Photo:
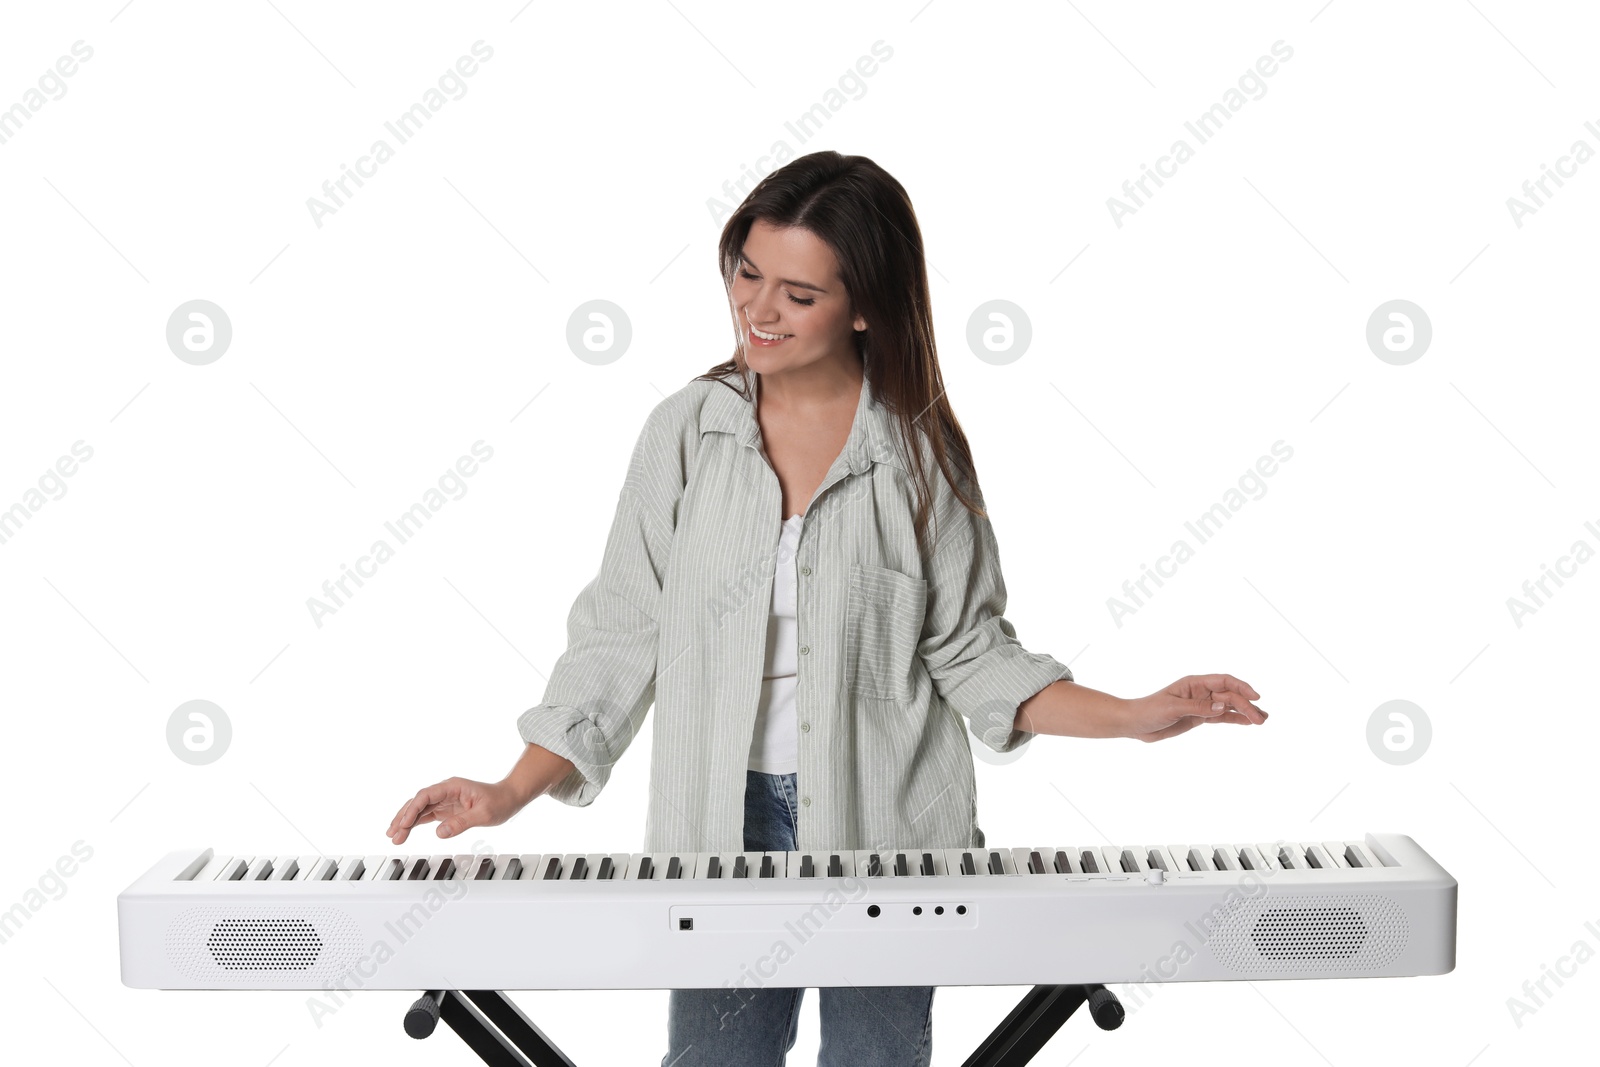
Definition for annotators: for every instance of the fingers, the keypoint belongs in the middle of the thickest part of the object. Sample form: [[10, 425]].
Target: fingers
[[419, 809], [1224, 702]]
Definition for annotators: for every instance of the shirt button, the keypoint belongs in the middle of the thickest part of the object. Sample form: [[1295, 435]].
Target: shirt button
[[806, 571], [806, 801], [805, 727], [805, 650]]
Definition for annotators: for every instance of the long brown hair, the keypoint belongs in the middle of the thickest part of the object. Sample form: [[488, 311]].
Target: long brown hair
[[864, 215]]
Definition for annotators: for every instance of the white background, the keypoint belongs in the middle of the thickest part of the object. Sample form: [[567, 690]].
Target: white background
[[587, 160]]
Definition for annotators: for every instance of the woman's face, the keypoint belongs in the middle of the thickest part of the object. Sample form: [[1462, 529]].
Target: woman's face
[[787, 284]]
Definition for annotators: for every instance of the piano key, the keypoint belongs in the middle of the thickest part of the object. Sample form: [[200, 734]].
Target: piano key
[[233, 869], [284, 868], [713, 867], [1292, 858], [902, 866], [579, 869], [969, 866], [444, 867], [390, 869], [461, 867], [212, 868], [322, 870], [1318, 858], [260, 869], [1250, 858], [1061, 862], [579, 866], [1357, 854], [507, 866], [551, 870], [927, 866], [1131, 861], [417, 869], [1225, 858], [1036, 863], [1197, 858], [1335, 852], [808, 867], [863, 860], [1089, 861], [607, 871], [1269, 856], [741, 868], [996, 864], [481, 869], [768, 868], [1161, 858], [351, 869], [674, 868]]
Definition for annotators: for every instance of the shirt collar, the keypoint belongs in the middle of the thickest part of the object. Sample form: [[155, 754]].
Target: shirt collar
[[871, 437]]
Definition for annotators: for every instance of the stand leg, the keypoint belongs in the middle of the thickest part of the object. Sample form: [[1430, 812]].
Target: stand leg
[[489, 1024], [1037, 1017]]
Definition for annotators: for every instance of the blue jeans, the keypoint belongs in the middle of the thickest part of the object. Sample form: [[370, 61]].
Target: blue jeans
[[868, 1026]]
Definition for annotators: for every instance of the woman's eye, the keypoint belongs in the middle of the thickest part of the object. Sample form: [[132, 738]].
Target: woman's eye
[[803, 303]]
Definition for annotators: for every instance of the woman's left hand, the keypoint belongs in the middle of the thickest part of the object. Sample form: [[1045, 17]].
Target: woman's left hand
[[1190, 701]]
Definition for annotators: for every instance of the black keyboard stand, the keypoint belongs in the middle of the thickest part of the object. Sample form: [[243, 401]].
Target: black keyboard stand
[[1037, 1017], [502, 1036], [489, 1023]]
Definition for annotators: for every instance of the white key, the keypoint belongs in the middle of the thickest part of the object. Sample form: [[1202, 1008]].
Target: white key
[[284, 868], [208, 873], [385, 868], [321, 870], [259, 868], [233, 869], [351, 869], [1363, 853], [1335, 851]]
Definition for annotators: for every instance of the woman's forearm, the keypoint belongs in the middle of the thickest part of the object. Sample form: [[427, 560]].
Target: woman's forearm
[[536, 771], [1068, 709]]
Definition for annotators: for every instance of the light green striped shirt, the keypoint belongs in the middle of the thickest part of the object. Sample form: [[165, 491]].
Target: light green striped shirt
[[896, 645]]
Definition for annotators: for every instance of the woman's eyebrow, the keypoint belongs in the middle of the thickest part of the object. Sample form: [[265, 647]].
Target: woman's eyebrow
[[785, 281]]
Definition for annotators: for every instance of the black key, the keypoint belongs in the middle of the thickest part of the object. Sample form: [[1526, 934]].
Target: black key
[[835, 868], [927, 864], [1130, 865], [419, 870], [644, 868], [608, 870], [553, 869], [714, 867], [996, 864], [1035, 863], [1353, 858], [966, 864], [1156, 861], [485, 869], [674, 868], [874, 867], [767, 870], [900, 868], [1224, 860], [806, 869], [1063, 866], [446, 868], [1090, 863], [390, 871], [580, 868], [740, 868], [513, 869]]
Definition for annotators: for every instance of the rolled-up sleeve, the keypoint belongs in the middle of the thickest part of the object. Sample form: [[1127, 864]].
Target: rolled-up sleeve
[[603, 685], [970, 649]]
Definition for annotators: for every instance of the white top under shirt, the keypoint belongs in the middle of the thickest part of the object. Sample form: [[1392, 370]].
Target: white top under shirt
[[774, 746]]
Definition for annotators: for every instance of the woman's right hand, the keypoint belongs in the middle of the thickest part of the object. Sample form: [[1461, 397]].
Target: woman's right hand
[[456, 804]]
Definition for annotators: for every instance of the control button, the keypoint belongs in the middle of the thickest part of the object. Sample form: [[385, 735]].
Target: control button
[[805, 727], [1155, 876], [806, 801]]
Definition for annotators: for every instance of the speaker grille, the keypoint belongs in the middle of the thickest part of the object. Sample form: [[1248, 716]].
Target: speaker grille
[[1349, 932], [244, 945]]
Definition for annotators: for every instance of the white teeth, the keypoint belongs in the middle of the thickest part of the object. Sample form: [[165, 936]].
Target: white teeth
[[768, 336]]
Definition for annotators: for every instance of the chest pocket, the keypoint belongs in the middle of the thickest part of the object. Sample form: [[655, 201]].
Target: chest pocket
[[884, 614]]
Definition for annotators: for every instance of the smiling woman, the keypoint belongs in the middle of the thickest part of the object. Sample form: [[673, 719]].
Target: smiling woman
[[800, 577]]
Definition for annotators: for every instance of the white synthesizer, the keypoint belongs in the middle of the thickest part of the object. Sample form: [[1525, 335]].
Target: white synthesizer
[[1381, 907]]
